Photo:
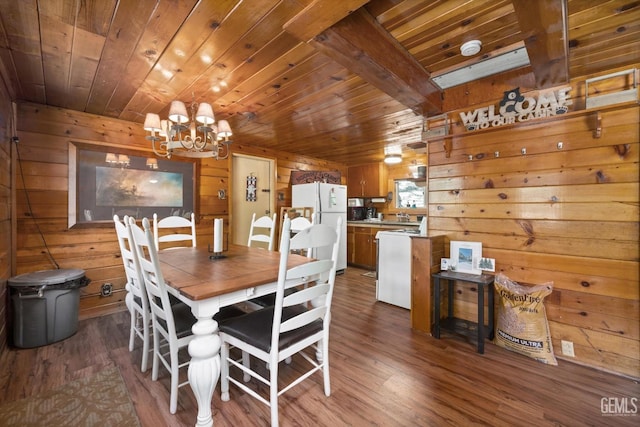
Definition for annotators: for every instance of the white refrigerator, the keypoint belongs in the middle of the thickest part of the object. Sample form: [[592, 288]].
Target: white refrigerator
[[329, 202]]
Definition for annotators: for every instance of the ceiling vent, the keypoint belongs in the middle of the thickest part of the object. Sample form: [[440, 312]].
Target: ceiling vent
[[494, 65]]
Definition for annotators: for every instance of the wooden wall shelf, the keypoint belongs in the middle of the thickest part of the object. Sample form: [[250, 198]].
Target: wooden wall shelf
[[595, 113]]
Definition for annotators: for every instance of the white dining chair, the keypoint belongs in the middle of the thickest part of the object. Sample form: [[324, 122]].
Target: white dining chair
[[171, 319], [297, 323], [300, 223], [136, 298], [258, 237], [174, 229], [171, 325], [297, 224], [259, 227]]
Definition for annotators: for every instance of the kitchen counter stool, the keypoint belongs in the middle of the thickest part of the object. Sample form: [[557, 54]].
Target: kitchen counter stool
[[483, 281]]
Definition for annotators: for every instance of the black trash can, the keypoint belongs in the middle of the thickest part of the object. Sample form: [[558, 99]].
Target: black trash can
[[45, 306]]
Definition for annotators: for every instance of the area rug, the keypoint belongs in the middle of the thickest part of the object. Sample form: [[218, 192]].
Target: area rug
[[99, 400], [370, 274]]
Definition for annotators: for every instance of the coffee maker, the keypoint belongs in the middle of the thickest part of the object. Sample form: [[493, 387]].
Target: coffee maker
[[372, 213], [356, 213]]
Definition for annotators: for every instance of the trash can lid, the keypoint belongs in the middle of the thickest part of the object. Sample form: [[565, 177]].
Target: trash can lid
[[46, 277]]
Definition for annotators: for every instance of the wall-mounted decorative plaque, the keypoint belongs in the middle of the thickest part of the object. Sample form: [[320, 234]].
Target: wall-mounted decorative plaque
[[305, 177]]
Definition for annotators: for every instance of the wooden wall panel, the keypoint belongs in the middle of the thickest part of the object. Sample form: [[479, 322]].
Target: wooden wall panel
[[567, 215], [6, 209], [45, 134]]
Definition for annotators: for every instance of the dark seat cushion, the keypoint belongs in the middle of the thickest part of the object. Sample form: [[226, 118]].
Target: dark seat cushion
[[184, 318], [228, 312], [137, 300], [270, 299], [255, 327], [172, 300]]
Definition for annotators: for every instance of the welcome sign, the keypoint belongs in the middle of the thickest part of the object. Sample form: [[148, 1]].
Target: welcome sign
[[515, 107]]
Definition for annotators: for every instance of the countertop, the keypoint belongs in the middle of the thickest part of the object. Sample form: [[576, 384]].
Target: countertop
[[376, 223]]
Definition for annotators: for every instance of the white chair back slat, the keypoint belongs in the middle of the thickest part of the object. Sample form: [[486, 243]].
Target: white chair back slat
[[303, 319], [263, 223], [300, 223], [173, 229], [304, 295]]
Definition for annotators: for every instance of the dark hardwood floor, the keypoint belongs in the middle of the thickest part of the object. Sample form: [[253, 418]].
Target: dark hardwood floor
[[382, 374]]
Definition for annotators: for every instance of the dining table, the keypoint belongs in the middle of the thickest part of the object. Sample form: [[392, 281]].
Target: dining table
[[207, 282]]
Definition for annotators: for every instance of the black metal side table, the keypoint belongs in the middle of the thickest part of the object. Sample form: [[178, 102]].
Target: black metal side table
[[482, 281]]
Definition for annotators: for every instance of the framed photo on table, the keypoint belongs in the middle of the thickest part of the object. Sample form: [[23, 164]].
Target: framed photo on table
[[465, 256]]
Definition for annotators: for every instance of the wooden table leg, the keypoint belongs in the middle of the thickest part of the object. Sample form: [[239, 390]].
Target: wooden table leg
[[204, 368], [480, 319], [491, 313], [450, 300], [436, 307]]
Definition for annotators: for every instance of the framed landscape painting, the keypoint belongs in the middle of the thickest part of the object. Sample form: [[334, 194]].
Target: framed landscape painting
[[102, 184]]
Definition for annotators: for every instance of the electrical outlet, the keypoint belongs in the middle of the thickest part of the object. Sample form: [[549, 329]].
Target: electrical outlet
[[567, 348], [106, 289]]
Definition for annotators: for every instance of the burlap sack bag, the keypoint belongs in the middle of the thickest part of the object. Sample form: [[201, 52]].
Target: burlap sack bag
[[521, 324]]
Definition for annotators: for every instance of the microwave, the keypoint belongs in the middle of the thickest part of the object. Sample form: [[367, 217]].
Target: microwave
[[356, 213], [355, 202]]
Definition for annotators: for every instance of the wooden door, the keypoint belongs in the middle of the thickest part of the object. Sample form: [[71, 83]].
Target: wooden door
[[244, 202]]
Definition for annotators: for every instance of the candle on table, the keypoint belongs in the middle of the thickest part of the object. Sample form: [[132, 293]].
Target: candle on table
[[217, 235]]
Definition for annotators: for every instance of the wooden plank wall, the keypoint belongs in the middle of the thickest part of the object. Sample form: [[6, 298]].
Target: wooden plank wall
[[45, 134], [5, 210], [564, 215], [570, 215]]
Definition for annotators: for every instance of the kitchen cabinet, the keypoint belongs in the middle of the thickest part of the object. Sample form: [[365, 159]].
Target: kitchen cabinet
[[350, 243], [369, 180], [361, 246], [426, 253], [365, 244]]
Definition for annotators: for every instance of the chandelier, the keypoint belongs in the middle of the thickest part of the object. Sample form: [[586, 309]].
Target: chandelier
[[196, 135]]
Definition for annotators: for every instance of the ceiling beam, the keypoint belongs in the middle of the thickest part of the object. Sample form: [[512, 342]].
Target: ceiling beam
[[319, 15], [544, 26], [360, 44]]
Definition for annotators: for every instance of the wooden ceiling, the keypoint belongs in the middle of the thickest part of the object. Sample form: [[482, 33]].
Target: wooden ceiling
[[333, 79]]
